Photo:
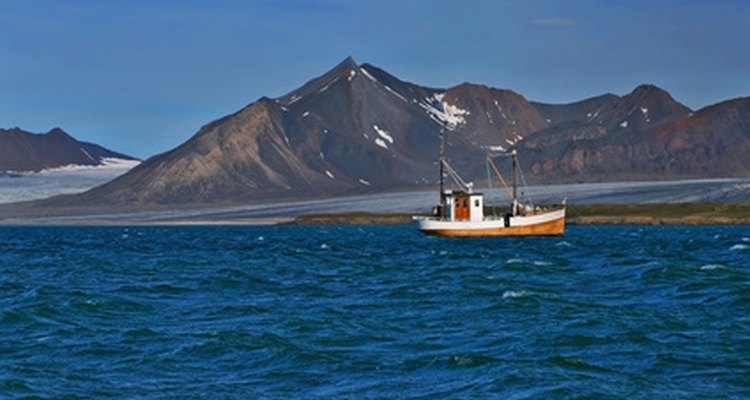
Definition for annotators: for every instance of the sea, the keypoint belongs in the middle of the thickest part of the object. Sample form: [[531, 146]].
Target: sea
[[373, 312]]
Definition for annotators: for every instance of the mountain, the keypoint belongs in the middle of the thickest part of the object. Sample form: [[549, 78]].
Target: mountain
[[358, 129], [643, 135], [354, 129], [22, 151]]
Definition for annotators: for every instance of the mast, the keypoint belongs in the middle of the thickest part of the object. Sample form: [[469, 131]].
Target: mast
[[514, 167], [441, 160]]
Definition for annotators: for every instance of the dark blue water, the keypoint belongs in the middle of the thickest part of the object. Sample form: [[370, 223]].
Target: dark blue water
[[373, 312]]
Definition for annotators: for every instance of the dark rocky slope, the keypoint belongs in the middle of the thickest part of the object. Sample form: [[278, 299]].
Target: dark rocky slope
[[24, 151]]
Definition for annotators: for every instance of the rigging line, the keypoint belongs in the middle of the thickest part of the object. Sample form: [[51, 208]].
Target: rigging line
[[523, 181], [456, 177], [499, 175], [489, 177], [489, 183]]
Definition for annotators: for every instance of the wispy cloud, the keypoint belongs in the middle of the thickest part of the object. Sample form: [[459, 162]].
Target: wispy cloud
[[554, 22]]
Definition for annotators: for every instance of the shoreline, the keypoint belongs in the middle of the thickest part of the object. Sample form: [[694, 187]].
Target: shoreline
[[714, 201], [731, 213], [641, 214], [125, 222]]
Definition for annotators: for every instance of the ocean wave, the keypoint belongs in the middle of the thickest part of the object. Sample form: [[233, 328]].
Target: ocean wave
[[513, 294], [381, 315], [739, 247], [711, 267]]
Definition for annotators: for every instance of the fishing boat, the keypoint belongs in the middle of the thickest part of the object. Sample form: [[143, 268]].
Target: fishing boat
[[461, 212]]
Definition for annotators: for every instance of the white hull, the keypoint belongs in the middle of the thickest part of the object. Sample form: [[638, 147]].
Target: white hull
[[542, 223]]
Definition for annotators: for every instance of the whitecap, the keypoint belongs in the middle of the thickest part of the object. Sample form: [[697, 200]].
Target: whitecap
[[711, 267], [324, 246], [739, 247], [260, 238], [514, 261], [443, 253], [542, 263], [744, 239], [563, 244], [512, 294]]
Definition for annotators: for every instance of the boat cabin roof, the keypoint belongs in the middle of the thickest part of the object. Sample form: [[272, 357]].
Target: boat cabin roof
[[461, 193]]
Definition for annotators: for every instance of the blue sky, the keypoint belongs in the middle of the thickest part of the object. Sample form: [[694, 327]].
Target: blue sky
[[142, 77]]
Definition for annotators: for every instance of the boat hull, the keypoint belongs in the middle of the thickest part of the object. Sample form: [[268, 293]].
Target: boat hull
[[543, 224]]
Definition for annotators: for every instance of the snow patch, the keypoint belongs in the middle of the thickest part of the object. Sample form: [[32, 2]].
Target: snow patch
[[381, 143], [324, 88], [352, 74], [495, 148], [330, 175], [644, 111], [305, 114], [502, 113], [393, 92], [107, 163], [444, 113], [293, 99], [284, 109], [88, 155], [624, 124], [367, 74], [383, 134], [322, 157], [364, 182]]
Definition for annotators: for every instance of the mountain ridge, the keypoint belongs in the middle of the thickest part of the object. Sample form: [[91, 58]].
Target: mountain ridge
[[358, 129]]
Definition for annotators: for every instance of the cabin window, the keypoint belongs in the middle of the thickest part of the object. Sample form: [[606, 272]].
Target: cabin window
[[476, 203]]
